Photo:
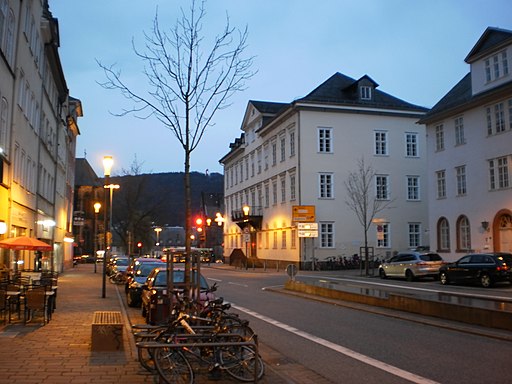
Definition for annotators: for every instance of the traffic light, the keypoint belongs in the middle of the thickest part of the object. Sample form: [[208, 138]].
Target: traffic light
[[199, 224], [139, 245]]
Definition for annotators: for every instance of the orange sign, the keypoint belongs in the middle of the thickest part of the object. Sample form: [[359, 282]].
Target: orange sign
[[303, 213]]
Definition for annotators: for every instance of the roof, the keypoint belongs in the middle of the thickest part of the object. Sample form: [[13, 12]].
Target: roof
[[84, 174], [341, 89], [462, 94], [491, 39]]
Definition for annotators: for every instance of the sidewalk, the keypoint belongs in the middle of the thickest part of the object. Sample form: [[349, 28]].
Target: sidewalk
[[60, 351]]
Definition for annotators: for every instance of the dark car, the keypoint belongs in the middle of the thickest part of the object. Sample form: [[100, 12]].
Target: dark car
[[483, 268], [133, 264], [138, 277], [154, 293]]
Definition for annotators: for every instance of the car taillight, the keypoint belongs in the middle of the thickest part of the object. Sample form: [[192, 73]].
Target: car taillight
[[422, 263]]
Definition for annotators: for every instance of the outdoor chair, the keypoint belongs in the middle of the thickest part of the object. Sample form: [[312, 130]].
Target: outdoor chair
[[36, 300], [4, 305], [14, 293]]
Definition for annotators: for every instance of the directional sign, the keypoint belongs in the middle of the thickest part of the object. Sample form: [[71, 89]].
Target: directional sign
[[303, 213]]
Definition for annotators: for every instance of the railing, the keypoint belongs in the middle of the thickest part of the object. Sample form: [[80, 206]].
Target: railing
[[238, 214]]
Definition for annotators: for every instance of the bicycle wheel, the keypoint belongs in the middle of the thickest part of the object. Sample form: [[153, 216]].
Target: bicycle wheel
[[146, 355], [233, 324], [240, 362], [172, 366]]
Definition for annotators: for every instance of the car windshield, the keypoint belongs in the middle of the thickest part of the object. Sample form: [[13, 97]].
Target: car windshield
[[431, 257], [178, 277], [121, 262], [145, 269]]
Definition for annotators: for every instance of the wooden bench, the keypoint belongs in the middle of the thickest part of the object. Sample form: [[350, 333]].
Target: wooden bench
[[107, 331]]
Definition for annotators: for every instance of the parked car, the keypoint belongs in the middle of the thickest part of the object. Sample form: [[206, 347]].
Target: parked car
[[137, 278], [133, 264], [155, 305], [116, 264], [411, 265], [483, 268]]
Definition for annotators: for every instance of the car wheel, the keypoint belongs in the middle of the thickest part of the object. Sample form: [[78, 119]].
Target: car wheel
[[409, 275], [485, 280], [443, 278], [382, 274]]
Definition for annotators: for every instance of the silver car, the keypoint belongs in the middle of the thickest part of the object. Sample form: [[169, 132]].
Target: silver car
[[411, 265]]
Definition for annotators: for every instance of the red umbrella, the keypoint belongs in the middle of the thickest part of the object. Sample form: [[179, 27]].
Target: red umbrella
[[21, 243]]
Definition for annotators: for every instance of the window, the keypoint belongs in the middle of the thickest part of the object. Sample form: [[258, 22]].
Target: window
[[259, 159], [499, 117], [411, 144], [382, 187], [292, 187], [252, 164], [293, 244], [461, 180], [267, 195], [413, 188], [439, 137], [366, 92], [326, 235], [414, 235], [283, 148], [325, 140], [283, 189], [246, 168], [4, 142], [325, 186], [274, 153], [441, 184], [381, 143], [267, 240], [463, 234], [283, 239], [274, 192], [496, 66], [292, 143], [499, 173], [383, 238], [443, 235], [274, 242], [459, 131]]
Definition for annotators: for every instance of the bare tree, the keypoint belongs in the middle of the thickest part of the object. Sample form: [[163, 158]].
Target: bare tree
[[361, 199], [189, 80]]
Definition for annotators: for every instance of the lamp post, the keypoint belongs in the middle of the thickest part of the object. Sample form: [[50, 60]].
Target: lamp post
[[97, 207], [107, 168], [247, 235], [158, 230]]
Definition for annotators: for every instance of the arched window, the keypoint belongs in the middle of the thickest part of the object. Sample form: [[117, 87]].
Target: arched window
[[443, 235], [463, 234]]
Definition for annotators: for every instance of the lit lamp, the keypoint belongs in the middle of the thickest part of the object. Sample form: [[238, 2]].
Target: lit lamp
[[158, 230], [97, 207], [3, 227], [246, 210]]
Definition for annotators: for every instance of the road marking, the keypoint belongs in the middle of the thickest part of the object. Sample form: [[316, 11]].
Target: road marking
[[219, 280], [240, 285], [338, 348]]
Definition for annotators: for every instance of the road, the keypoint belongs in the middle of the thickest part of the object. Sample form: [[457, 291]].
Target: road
[[358, 346]]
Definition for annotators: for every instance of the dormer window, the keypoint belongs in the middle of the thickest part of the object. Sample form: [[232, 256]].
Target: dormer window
[[496, 66], [365, 92]]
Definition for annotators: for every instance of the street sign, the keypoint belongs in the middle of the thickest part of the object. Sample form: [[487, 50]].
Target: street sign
[[303, 213], [247, 237], [308, 233], [307, 226]]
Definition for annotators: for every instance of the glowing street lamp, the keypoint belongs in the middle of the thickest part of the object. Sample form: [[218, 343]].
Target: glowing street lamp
[[97, 207]]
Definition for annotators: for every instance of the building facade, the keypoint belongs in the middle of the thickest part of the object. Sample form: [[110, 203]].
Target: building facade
[[38, 131], [300, 154], [470, 154]]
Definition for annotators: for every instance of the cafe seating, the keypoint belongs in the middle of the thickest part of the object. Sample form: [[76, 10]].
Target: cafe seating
[[36, 300], [4, 304], [14, 294]]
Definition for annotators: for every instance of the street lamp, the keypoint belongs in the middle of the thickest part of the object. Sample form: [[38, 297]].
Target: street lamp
[[158, 230], [97, 207], [247, 236], [108, 161]]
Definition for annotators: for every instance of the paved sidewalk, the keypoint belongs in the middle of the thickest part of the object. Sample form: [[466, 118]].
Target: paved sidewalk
[[60, 351]]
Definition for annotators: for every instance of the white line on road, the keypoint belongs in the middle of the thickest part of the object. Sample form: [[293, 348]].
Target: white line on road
[[338, 348], [240, 285]]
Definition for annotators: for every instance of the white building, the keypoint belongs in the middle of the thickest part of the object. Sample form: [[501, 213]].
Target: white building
[[470, 154], [301, 153], [38, 130]]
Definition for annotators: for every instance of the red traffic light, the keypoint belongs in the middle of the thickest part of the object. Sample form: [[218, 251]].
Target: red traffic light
[[139, 244], [199, 221]]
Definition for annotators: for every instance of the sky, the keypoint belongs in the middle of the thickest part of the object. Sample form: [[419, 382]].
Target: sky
[[414, 50]]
